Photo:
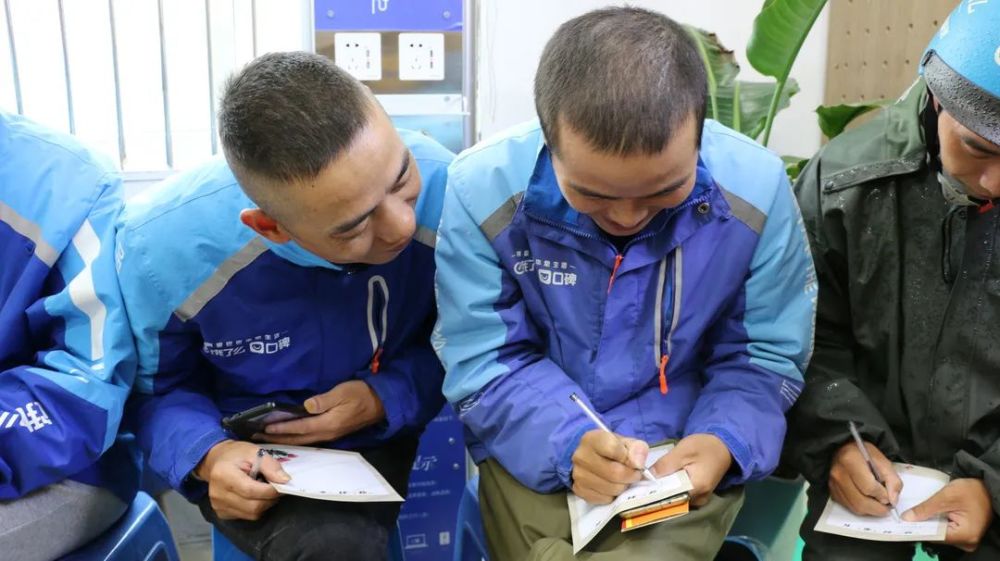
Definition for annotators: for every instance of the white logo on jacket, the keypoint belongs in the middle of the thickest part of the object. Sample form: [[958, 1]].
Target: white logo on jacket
[[550, 272], [31, 416], [267, 344]]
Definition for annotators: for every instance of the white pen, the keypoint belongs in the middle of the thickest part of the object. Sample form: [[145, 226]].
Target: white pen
[[597, 421], [871, 464]]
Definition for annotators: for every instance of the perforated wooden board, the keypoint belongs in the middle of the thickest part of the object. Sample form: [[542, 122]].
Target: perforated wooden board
[[875, 46]]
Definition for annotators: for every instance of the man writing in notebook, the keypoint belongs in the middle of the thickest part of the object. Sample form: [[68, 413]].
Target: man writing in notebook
[[903, 222], [298, 270], [633, 253]]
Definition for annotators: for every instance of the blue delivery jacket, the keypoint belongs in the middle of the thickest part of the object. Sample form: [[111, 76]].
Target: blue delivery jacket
[[718, 293], [66, 356], [225, 320]]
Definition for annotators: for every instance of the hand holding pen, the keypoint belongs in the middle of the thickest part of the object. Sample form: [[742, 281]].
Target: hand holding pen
[[604, 463], [600, 424], [871, 464], [862, 479], [238, 475]]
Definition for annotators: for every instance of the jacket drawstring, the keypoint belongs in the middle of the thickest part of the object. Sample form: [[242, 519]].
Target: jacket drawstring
[[614, 271], [662, 359], [381, 321]]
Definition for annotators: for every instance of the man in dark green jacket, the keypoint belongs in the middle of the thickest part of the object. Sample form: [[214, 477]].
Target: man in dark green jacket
[[906, 238]]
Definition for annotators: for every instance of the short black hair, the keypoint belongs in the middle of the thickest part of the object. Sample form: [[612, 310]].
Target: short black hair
[[623, 77], [285, 116]]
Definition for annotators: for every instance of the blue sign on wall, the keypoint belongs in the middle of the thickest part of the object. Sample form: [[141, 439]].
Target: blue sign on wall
[[428, 518], [395, 15]]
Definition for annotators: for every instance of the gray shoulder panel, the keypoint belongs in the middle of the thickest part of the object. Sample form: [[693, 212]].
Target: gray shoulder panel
[[214, 284], [501, 217], [745, 212], [425, 236], [45, 252]]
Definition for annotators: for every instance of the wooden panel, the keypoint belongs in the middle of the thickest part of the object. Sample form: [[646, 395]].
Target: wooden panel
[[875, 46]]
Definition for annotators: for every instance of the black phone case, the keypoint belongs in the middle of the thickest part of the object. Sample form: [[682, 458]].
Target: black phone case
[[252, 421]]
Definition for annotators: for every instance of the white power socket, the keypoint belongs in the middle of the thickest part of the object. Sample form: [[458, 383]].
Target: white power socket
[[421, 56], [360, 54]]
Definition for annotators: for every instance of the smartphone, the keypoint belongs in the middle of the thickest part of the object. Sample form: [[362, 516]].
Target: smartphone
[[246, 424], [652, 507]]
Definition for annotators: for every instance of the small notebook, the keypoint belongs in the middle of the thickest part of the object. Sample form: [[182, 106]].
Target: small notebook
[[919, 483], [587, 520], [331, 475], [655, 516]]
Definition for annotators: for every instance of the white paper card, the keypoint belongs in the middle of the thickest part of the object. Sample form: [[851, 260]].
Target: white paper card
[[331, 475], [588, 520], [919, 484]]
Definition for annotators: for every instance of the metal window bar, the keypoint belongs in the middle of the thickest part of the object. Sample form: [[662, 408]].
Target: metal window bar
[[65, 54], [13, 58], [253, 20], [470, 31], [116, 70], [167, 130], [211, 77], [118, 85]]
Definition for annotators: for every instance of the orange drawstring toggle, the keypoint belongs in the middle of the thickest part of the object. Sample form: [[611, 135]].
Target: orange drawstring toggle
[[663, 374], [614, 271], [375, 360]]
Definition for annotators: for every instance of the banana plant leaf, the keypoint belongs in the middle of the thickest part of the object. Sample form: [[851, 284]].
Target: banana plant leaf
[[833, 119], [749, 114], [794, 166], [754, 104], [779, 31]]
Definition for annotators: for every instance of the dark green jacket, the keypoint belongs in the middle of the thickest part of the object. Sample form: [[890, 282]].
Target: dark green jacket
[[908, 318]]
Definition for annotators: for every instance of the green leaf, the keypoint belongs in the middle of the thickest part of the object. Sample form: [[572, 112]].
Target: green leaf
[[794, 166], [778, 33], [833, 119], [720, 64], [754, 103]]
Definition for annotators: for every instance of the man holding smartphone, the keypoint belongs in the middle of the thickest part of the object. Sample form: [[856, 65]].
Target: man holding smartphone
[[299, 270]]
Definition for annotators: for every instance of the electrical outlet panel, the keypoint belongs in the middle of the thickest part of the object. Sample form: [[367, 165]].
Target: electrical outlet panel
[[360, 54], [421, 56]]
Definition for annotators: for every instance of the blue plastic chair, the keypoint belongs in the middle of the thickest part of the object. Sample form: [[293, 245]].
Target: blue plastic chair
[[741, 548], [470, 539], [142, 534], [224, 550], [770, 518]]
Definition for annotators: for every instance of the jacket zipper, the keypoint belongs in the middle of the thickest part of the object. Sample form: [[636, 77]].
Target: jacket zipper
[[660, 358], [619, 257], [378, 318], [614, 270]]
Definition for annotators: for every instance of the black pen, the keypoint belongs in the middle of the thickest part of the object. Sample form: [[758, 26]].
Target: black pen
[[255, 469]]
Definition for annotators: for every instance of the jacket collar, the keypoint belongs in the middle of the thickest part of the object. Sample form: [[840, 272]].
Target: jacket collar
[[894, 143], [556, 220], [298, 255]]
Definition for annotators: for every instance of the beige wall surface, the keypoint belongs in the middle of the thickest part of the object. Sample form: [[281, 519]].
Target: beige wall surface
[[875, 46]]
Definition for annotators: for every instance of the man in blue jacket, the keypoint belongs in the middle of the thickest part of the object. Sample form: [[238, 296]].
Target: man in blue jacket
[[299, 270], [628, 251], [66, 355]]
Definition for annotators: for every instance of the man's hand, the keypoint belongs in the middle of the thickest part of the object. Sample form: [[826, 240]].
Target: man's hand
[[704, 457], [348, 407], [605, 464], [967, 504], [233, 494], [853, 485]]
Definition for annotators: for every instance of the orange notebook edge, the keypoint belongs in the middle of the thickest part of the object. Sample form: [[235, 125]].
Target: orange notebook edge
[[672, 511]]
